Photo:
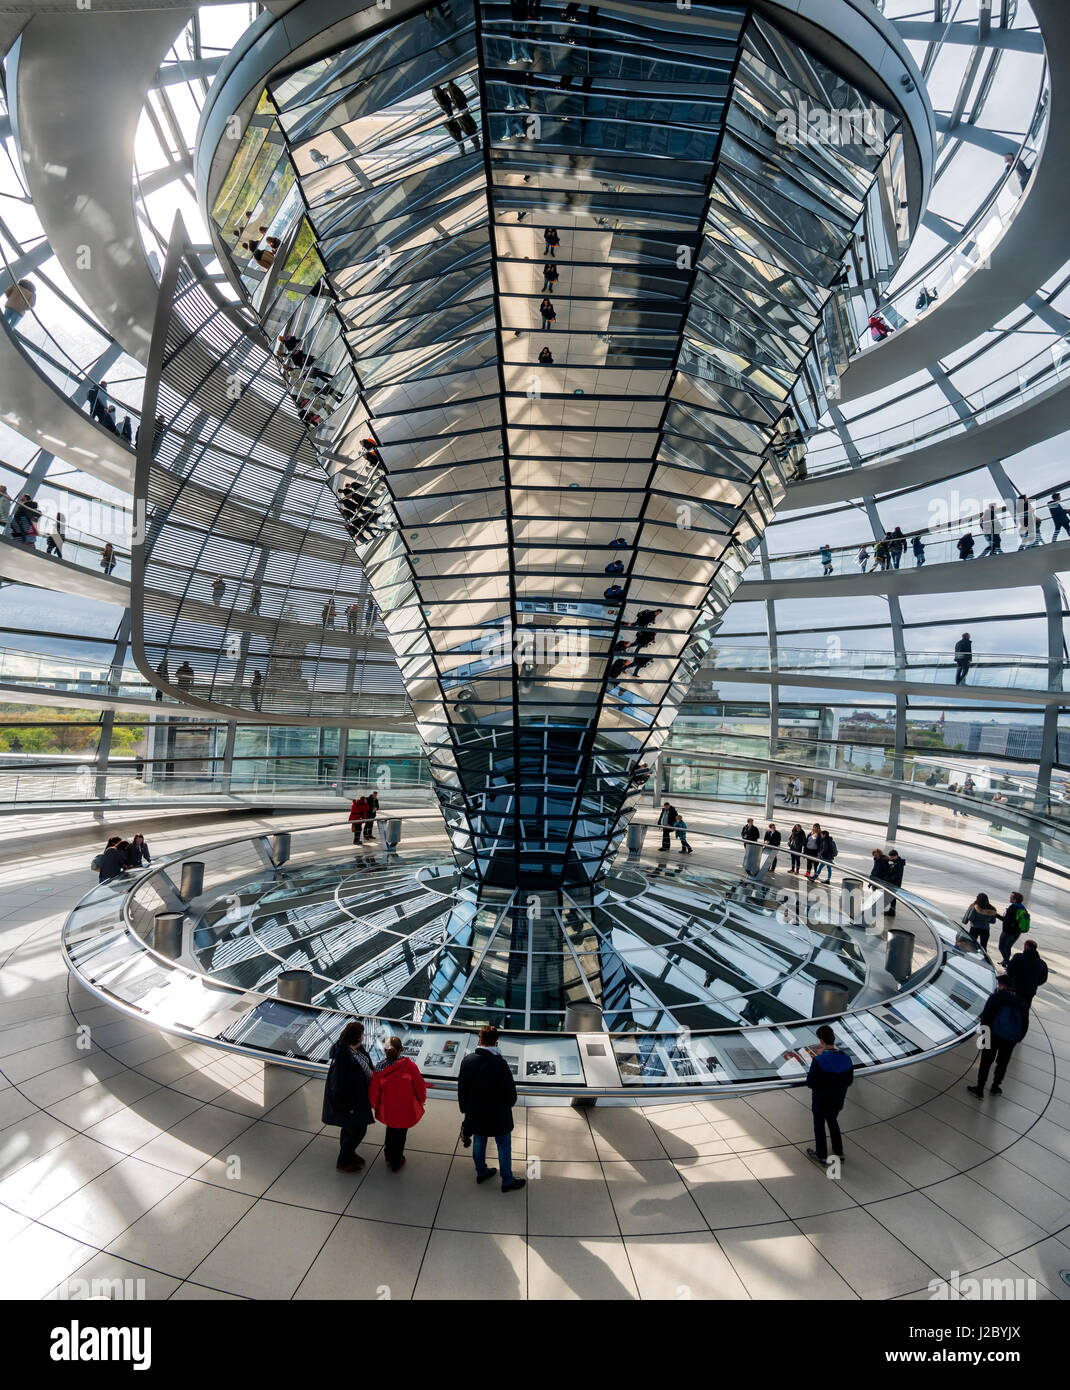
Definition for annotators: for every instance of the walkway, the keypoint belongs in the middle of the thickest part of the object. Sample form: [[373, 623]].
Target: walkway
[[117, 1163]]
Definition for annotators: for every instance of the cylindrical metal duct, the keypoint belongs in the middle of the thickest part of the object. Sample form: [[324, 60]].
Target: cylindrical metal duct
[[296, 986], [192, 885], [584, 1017], [830, 997], [391, 833], [636, 836], [167, 934], [900, 959], [280, 848]]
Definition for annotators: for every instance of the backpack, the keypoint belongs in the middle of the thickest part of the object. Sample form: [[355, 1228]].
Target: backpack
[[1023, 920], [1007, 1024], [96, 863]]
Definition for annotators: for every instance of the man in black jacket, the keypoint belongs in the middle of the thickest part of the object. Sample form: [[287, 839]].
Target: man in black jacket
[[963, 657], [666, 820], [1015, 924], [1003, 1023], [1027, 972], [830, 1074], [486, 1094], [896, 868], [345, 1094]]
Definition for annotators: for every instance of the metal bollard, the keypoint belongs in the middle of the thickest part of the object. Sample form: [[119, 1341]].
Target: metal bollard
[[851, 901], [830, 997], [900, 959], [636, 836], [391, 833], [584, 1017], [295, 986], [167, 934], [280, 848], [192, 885]]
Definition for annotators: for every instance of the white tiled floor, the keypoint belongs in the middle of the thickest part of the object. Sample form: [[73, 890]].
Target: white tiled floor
[[210, 1177]]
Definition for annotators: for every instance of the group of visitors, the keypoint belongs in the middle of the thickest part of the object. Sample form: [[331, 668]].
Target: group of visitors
[[887, 553], [643, 624], [357, 1093], [672, 823], [120, 855], [356, 500], [362, 814], [312, 383]]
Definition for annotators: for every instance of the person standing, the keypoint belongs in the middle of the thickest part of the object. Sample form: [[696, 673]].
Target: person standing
[[963, 657], [896, 868], [772, 844], [398, 1097], [796, 791], [112, 862], [345, 1095], [19, 300], [992, 529], [897, 545], [1026, 515], [219, 588], [978, 919], [881, 872], [750, 835], [352, 619], [256, 690], [1015, 924], [254, 600], [813, 850], [863, 557], [108, 559], [358, 814], [486, 1094], [551, 240], [373, 810], [139, 854], [796, 845], [680, 830], [1004, 1018], [549, 276], [831, 1073], [1027, 972], [547, 313], [1060, 517], [918, 547], [965, 546], [827, 852], [666, 820], [825, 556]]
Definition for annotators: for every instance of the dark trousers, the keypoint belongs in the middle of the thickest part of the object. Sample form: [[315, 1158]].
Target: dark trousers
[[352, 1134], [820, 1121], [368, 827], [666, 831], [796, 860], [1001, 1054], [961, 668], [394, 1146], [980, 935], [1006, 945], [358, 826]]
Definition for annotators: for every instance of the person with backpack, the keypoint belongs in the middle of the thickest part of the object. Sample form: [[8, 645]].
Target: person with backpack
[[1004, 1018], [1015, 924], [345, 1094], [896, 868], [831, 1073], [826, 853], [825, 556], [398, 1095]]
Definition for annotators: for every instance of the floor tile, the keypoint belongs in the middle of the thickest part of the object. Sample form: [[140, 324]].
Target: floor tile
[[574, 1267], [468, 1266], [268, 1252]]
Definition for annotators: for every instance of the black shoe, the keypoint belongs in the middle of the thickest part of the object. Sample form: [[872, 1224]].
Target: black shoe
[[976, 1091], [816, 1157], [515, 1185], [490, 1173], [996, 1091]]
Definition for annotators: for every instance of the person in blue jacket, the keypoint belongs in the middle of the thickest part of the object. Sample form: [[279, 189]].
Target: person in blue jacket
[[830, 1074]]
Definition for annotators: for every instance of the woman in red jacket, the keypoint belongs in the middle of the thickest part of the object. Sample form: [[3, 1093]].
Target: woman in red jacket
[[358, 814], [398, 1093]]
